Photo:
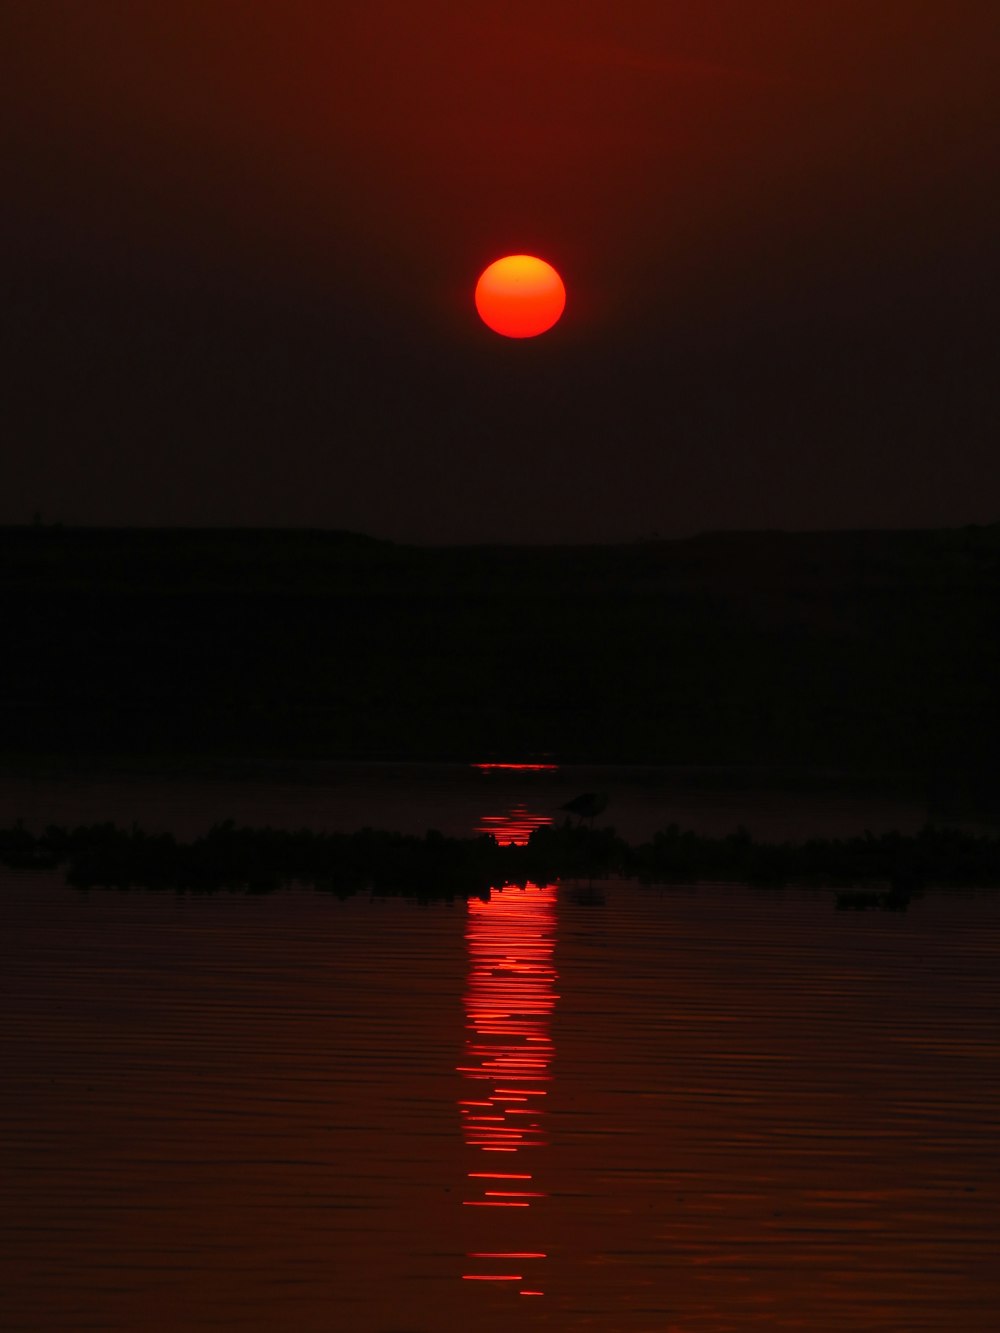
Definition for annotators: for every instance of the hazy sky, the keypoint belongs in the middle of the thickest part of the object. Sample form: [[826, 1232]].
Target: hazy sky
[[240, 242]]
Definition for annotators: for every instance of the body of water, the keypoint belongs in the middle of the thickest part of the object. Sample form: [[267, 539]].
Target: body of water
[[459, 799], [581, 1106]]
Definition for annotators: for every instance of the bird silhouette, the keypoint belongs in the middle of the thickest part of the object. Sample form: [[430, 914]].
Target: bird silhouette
[[587, 804]]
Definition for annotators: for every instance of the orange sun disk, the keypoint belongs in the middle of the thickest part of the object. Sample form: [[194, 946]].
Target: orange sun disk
[[520, 296]]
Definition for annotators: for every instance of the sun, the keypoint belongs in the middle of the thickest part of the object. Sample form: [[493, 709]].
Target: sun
[[520, 296]]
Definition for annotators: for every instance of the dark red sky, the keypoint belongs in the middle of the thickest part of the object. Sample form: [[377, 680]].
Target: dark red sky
[[242, 238]]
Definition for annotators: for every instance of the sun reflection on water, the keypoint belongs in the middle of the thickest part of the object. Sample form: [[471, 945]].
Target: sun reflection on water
[[507, 1066], [515, 827]]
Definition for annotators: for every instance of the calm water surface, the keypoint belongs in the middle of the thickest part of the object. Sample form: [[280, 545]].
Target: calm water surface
[[457, 799], [600, 1107]]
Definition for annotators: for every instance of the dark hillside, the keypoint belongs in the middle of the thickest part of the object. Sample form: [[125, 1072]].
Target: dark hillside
[[865, 650]]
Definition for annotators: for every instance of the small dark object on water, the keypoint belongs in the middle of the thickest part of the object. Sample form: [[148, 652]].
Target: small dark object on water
[[587, 804]]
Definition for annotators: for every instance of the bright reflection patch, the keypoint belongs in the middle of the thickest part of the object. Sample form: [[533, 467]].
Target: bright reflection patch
[[507, 1065], [516, 826]]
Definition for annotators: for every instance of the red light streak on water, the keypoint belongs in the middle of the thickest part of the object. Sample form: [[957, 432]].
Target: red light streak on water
[[514, 827], [509, 1000], [499, 1175], [491, 1203], [492, 1277], [507, 1254]]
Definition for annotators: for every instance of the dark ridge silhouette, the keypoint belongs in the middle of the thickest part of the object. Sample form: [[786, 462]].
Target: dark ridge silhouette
[[435, 866], [865, 652]]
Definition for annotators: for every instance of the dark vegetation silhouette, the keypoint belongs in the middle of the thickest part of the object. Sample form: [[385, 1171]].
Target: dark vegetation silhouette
[[861, 651], [890, 868]]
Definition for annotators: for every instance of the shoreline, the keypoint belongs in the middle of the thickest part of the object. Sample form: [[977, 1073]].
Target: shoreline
[[888, 869]]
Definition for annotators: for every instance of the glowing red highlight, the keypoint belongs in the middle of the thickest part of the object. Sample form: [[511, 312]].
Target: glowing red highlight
[[491, 1203], [498, 1175], [517, 768], [508, 1254], [513, 828], [509, 1001]]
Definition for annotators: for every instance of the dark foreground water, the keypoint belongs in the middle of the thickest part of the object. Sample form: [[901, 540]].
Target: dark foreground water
[[599, 1107]]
